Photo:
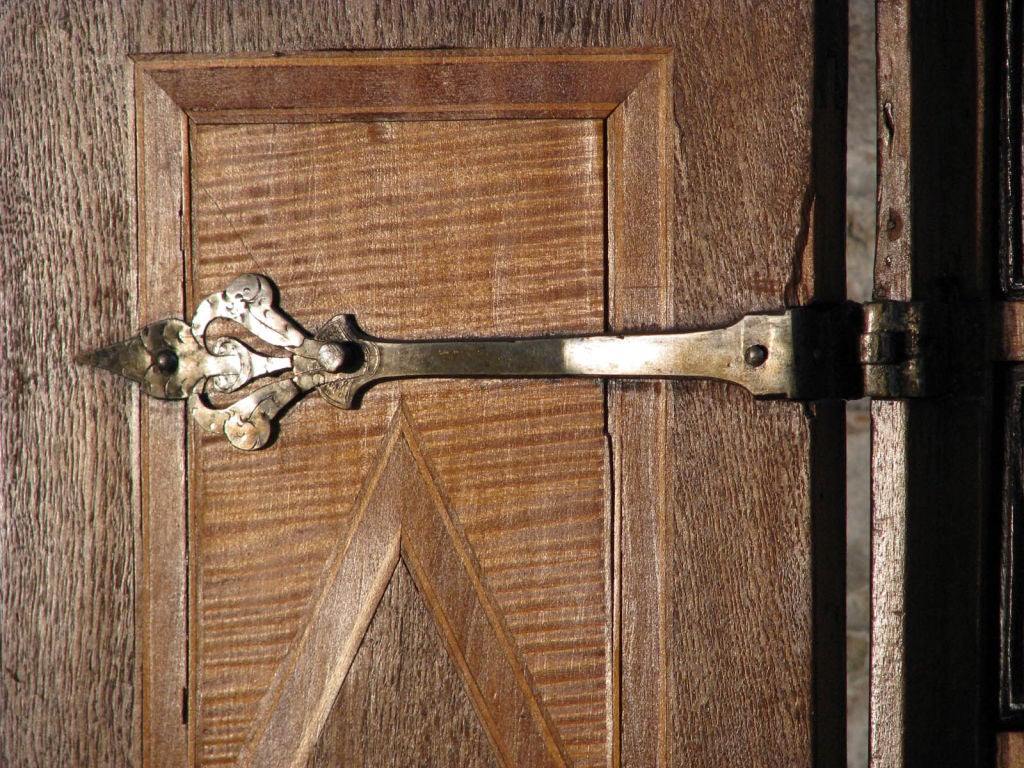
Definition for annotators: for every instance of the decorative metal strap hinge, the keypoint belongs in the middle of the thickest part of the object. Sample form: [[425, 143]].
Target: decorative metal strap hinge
[[836, 351]]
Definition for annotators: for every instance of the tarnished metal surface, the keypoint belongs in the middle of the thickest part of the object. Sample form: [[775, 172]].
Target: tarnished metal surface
[[717, 354], [174, 360], [901, 350]]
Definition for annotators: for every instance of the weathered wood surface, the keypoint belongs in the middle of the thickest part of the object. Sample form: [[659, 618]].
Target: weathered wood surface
[[931, 672], [1008, 332], [67, 281], [748, 126]]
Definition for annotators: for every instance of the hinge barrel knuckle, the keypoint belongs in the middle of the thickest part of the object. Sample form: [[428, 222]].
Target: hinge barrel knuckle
[[893, 350], [888, 350], [907, 348]]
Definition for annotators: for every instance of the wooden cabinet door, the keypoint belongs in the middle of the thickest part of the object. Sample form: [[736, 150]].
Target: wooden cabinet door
[[493, 572], [506, 572]]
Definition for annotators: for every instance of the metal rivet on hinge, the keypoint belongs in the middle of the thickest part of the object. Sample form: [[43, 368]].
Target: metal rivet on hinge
[[166, 361], [755, 355]]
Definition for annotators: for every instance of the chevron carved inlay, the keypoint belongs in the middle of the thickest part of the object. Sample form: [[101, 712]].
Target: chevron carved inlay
[[402, 514]]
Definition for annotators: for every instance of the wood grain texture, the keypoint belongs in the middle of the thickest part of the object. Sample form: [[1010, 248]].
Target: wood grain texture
[[442, 561], [639, 278], [717, 611], [931, 672], [893, 230], [409, 218], [67, 283], [388, 210], [745, 122], [405, 693], [554, 599], [1008, 331], [789, 499], [402, 503], [161, 566], [888, 603], [319, 87], [290, 714], [1010, 750]]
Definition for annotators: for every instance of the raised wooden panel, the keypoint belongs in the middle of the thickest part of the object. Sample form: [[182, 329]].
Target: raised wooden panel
[[419, 228], [443, 229], [409, 223], [427, 228]]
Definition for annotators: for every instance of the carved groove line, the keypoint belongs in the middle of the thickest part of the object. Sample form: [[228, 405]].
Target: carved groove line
[[402, 513]]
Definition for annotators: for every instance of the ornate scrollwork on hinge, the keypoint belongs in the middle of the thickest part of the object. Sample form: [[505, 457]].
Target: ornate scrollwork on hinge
[[174, 360]]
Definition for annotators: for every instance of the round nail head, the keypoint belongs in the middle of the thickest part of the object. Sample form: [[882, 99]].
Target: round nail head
[[166, 361], [331, 357], [755, 355]]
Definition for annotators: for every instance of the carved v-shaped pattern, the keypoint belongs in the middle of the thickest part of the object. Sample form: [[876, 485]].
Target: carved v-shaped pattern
[[402, 513]]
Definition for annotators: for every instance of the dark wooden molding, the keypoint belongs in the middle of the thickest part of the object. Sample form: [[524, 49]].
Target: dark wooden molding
[[1011, 624], [1011, 261], [1010, 26]]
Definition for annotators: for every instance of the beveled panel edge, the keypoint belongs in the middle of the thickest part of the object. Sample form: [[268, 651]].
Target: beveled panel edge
[[341, 57], [640, 180], [160, 464], [402, 85]]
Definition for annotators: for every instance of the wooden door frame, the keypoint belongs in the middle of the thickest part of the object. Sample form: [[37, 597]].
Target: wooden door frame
[[932, 652]]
